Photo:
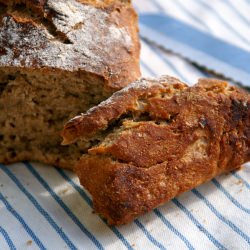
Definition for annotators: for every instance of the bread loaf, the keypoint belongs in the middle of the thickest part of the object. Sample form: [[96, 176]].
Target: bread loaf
[[59, 58], [158, 138]]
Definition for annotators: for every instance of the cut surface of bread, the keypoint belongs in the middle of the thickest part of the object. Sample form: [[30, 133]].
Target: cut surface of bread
[[156, 139], [59, 58]]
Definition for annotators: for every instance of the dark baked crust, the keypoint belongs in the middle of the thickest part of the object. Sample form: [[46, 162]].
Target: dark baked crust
[[99, 37], [169, 139]]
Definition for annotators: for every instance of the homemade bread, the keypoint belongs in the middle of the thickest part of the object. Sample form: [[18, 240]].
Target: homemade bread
[[158, 138], [59, 58]]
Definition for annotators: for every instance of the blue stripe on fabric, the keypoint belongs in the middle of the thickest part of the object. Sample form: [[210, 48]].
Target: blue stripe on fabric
[[173, 229], [63, 205], [89, 202], [240, 178], [75, 186], [186, 11], [229, 196], [22, 222], [149, 70], [198, 224], [190, 14], [170, 64], [221, 217], [39, 208], [230, 27], [149, 236], [185, 34], [7, 239]]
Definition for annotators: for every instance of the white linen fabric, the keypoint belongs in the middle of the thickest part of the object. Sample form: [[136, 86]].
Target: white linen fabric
[[219, 44], [42, 207]]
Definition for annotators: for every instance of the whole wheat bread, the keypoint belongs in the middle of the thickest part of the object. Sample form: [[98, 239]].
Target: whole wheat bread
[[156, 139], [59, 58]]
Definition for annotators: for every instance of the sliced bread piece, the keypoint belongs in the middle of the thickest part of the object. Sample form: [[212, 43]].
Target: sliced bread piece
[[156, 139]]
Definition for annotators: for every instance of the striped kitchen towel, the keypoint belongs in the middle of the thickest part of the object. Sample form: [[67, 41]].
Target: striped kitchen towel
[[201, 39], [42, 207]]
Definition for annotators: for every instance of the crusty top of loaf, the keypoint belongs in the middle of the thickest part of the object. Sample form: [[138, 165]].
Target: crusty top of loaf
[[120, 103], [95, 36], [134, 99]]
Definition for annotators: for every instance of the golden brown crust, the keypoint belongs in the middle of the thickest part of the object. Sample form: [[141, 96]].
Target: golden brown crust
[[125, 100], [100, 37], [181, 137]]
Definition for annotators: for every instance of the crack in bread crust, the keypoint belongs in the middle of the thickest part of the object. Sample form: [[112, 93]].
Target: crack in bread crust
[[122, 102], [189, 136]]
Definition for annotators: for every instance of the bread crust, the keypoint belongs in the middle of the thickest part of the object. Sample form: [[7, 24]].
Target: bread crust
[[99, 37], [98, 118], [175, 138], [59, 58]]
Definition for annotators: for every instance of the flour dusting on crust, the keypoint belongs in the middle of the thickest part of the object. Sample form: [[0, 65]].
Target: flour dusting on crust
[[92, 38]]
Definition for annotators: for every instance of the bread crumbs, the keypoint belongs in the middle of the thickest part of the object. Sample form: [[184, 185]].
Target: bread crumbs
[[29, 243]]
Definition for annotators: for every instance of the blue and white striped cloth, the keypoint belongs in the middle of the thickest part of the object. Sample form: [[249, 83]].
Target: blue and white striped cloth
[[45, 208]]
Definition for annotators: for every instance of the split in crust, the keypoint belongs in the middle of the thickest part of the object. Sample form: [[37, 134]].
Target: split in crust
[[156, 139]]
